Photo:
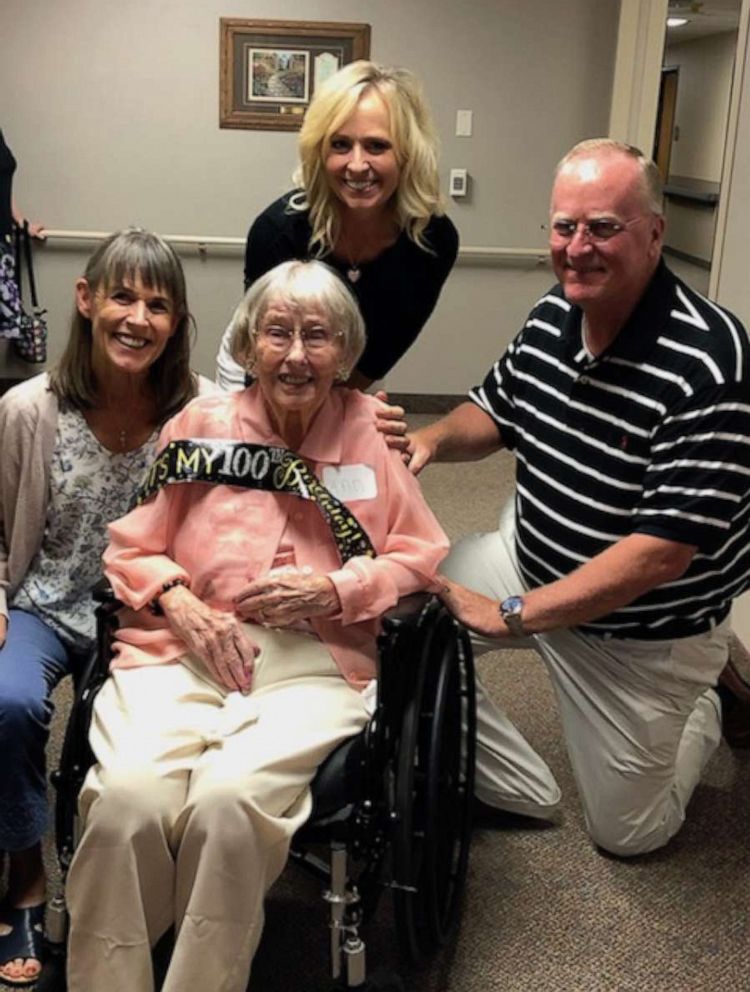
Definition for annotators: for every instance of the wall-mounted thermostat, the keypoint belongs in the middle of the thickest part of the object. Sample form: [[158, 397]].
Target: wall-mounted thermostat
[[459, 182]]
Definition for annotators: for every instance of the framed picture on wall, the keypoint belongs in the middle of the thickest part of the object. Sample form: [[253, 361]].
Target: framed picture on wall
[[269, 70]]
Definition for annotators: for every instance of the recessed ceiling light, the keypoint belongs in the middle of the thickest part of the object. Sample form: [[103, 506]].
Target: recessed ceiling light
[[677, 22]]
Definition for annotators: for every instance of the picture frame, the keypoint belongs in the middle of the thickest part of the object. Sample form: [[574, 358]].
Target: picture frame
[[269, 70]]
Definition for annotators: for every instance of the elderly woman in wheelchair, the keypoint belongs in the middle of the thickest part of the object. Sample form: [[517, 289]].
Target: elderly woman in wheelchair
[[272, 531]]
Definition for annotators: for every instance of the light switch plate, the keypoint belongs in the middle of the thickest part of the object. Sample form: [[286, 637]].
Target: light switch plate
[[464, 119]]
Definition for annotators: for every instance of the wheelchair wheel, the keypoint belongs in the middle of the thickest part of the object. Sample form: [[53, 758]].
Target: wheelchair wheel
[[434, 789], [75, 759], [76, 756]]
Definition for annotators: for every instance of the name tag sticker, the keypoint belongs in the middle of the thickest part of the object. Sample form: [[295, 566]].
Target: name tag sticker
[[350, 482]]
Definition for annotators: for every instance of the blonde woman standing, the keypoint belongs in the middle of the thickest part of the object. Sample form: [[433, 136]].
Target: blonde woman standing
[[368, 203]]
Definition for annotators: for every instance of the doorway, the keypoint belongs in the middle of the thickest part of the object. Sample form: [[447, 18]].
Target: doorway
[[691, 129], [665, 116]]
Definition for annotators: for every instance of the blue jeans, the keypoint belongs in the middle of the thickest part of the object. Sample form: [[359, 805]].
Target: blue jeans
[[32, 662]]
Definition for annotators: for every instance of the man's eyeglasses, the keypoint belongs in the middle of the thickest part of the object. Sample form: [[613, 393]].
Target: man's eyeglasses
[[593, 230], [279, 338]]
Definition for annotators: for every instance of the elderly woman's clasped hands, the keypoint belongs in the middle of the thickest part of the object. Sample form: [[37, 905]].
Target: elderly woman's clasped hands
[[284, 598], [215, 637], [220, 639]]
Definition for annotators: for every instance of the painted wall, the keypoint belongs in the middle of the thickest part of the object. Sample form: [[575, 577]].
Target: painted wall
[[114, 121]]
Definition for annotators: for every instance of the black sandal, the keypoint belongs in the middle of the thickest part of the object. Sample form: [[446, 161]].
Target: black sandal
[[25, 940]]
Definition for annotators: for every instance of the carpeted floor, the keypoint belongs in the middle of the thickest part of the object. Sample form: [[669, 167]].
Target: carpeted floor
[[544, 912]]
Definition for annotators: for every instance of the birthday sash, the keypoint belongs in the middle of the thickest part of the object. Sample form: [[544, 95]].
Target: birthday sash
[[255, 466]]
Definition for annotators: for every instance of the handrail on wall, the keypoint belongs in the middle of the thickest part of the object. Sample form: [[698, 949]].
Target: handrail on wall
[[540, 255], [181, 239]]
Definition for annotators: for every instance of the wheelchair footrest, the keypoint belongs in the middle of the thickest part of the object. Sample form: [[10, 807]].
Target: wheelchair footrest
[[382, 981], [52, 977]]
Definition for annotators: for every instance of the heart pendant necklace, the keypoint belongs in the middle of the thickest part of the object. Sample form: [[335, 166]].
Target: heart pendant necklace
[[354, 272]]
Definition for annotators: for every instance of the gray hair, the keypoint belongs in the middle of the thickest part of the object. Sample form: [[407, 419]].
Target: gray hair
[[300, 285], [651, 181]]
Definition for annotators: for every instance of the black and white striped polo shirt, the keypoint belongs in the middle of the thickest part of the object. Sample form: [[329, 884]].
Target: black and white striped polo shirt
[[651, 437]]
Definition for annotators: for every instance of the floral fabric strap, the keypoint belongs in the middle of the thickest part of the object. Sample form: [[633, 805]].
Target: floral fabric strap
[[255, 466]]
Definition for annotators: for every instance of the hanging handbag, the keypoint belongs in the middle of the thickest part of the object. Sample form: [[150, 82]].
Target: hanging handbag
[[31, 344]]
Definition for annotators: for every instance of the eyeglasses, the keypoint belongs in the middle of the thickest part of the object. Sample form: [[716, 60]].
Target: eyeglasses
[[593, 230], [279, 338]]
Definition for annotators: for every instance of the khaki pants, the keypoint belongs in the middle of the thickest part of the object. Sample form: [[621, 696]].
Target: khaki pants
[[640, 718], [190, 809]]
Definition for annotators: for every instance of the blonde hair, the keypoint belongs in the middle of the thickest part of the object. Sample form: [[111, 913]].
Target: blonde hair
[[300, 285], [415, 145], [128, 255], [651, 181]]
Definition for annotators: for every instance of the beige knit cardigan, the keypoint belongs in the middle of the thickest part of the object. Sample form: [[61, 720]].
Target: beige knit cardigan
[[28, 425]]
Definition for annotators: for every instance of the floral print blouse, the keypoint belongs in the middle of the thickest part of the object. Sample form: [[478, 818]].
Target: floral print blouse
[[89, 487]]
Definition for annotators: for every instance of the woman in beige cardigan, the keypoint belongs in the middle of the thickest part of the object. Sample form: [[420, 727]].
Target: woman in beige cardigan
[[74, 444]]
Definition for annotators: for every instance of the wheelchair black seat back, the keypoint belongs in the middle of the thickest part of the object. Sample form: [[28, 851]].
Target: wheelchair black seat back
[[392, 806]]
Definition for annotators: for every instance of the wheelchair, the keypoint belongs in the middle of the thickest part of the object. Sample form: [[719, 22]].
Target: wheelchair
[[391, 806]]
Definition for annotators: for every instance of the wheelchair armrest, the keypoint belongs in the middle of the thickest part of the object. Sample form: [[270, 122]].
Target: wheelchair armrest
[[107, 622], [107, 604], [102, 592], [406, 611]]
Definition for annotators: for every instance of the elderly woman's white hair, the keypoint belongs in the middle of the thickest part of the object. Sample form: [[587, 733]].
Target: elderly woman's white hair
[[302, 286]]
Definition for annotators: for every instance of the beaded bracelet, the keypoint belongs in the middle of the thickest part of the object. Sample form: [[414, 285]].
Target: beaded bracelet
[[155, 605]]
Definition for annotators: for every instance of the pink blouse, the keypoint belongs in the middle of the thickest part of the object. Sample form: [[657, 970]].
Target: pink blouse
[[220, 537]]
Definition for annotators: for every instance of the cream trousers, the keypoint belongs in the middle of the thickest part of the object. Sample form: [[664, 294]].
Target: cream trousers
[[640, 718], [190, 809]]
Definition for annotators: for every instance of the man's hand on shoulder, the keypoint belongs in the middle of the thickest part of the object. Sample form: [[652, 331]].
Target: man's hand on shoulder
[[466, 434], [390, 422], [416, 451], [420, 450]]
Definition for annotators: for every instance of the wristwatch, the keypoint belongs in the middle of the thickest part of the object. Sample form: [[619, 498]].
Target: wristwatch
[[511, 610]]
